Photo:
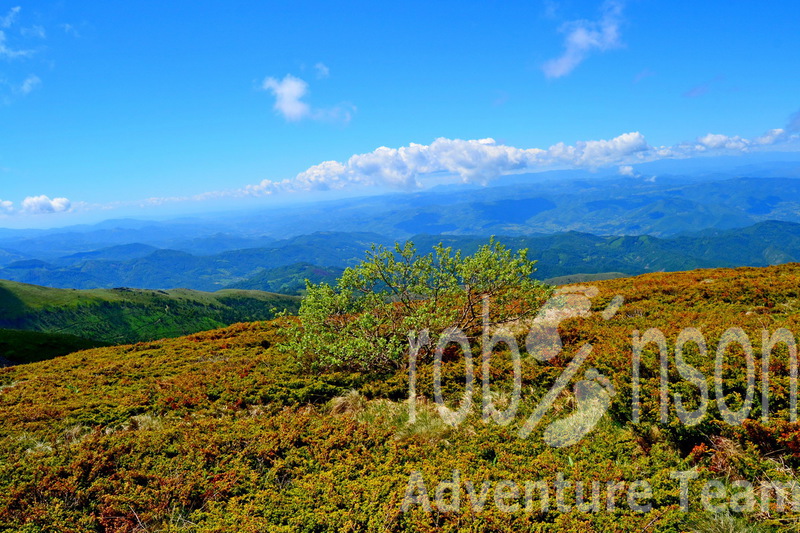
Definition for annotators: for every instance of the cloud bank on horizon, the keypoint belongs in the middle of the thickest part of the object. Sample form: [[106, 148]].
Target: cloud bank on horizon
[[482, 160], [477, 161], [36, 205]]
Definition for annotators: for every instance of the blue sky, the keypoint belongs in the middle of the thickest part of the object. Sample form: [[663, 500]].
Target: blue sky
[[141, 108]]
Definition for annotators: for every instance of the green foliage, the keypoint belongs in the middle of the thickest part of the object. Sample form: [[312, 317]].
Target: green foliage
[[115, 316], [364, 321], [725, 523]]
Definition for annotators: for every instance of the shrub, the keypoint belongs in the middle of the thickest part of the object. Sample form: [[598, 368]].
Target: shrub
[[363, 322]]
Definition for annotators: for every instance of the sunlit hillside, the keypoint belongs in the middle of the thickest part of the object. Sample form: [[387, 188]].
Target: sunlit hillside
[[221, 431]]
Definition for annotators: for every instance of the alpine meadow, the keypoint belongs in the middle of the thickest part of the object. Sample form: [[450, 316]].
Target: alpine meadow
[[345, 267]]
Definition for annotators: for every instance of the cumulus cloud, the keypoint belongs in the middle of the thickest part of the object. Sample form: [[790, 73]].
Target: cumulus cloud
[[482, 160], [717, 141], [37, 205], [6, 207], [593, 154], [473, 161], [585, 36], [289, 94]]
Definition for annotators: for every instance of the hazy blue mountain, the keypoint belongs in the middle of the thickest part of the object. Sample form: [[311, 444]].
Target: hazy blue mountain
[[667, 215], [289, 279], [164, 268], [120, 252], [662, 198], [9, 256], [320, 257]]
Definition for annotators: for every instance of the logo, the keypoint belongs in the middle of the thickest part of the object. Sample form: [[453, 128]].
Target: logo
[[593, 393]]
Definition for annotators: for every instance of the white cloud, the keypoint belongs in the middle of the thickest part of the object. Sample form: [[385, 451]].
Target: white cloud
[[772, 137], [584, 36], [322, 70], [37, 205], [10, 53], [718, 141], [6, 207], [30, 83], [475, 161], [594, 154], [482, 160], [289, 94], [8, 20]]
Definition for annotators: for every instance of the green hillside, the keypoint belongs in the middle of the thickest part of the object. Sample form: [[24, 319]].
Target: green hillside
[[18, 347], [116, 316], [219, 431]]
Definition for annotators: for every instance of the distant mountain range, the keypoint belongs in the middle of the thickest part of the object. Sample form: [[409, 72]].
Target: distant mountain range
[[573, 222], [662, 205], [282, 267], [322, 256]]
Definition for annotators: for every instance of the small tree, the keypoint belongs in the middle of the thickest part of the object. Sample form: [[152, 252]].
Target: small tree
[[363, 322]]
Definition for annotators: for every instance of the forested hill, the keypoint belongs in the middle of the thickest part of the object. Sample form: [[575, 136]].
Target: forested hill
[[284, 266], [116, 316]]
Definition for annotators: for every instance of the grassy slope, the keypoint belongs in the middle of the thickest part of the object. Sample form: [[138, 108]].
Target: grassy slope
[[217, 432], [130, 315], [18, 347]]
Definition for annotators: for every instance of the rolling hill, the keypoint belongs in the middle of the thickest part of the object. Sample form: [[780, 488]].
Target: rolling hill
[[285, 265], [289, 279], [115, 316], [166, 269], [219, 431]]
